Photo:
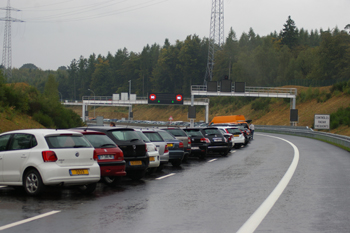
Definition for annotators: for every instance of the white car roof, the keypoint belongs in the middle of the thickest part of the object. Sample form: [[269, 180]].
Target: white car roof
[[43, 132]]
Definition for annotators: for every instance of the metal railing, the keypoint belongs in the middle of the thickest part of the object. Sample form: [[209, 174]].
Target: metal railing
[[335, 139], [252, 90]]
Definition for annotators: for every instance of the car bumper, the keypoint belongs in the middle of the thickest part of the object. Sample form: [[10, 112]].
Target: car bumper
[[154, 159], [112, 168], [136, 163], [176, 155], [52, 174]]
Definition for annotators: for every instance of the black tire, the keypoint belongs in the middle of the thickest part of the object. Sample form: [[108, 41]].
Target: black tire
[[111, 181], [176, 163], [160, 168], [88, 188], [237, 146], [136, 175], [32, 183], [225, 153], [203, 156]]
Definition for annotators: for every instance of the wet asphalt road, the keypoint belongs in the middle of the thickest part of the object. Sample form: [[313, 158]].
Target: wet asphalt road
[[216, 195]]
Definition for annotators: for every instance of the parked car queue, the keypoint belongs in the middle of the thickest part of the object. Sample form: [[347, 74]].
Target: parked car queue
[[33, 159]]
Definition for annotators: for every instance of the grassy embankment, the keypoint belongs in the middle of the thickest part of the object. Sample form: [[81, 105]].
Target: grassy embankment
[[276, 112]]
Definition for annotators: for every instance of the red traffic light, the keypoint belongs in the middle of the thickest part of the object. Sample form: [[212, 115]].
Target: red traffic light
[[152, 97], [179, 97]]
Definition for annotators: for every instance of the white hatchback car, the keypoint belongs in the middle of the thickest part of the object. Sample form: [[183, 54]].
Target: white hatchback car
[[152, 151], [34, 158]]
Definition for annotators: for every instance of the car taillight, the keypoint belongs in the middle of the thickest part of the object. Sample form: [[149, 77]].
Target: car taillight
[[49, 156], [189, 141], [146, 147], [207, 140], [166, 150], [121, 155], [181, 145], [95, 155], [231, 137], [203, 140]]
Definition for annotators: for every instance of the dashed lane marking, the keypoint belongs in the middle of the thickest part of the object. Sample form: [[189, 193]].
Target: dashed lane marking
[[29, 220], [210, 161], [162, 177]]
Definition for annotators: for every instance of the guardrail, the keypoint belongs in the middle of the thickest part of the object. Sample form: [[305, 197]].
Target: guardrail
[[335, 139]]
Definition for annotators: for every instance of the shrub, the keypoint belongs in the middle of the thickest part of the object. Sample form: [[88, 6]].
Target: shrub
[[43, 119], [261, 104]]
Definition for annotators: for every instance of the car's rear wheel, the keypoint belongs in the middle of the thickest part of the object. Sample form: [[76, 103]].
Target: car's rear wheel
[[176, 163], [87, 189], [203, 156], [237, 146], [111, 181], [32, 182], [136, 175]]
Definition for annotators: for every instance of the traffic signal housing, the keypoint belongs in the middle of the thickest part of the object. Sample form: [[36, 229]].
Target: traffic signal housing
[[163, 98]]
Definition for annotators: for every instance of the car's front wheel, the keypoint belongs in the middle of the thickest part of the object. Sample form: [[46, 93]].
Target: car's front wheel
[[32, 182]]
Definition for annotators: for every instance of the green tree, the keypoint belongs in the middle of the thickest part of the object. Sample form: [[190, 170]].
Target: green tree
[[289, 34]]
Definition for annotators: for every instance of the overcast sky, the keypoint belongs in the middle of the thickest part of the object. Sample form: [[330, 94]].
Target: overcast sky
[[57, 31]]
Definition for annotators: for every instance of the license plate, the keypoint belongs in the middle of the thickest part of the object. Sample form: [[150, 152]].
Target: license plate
[[106, 157], [217, 139], [236, 135], [152, 159], [78, 172], [135, 162], [195, 148], [170, 145]]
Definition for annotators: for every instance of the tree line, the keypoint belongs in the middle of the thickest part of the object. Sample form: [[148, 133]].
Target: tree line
[[291, 56]]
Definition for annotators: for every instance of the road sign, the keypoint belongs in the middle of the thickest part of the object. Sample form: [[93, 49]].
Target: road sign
[[164, 98], [322, 121]]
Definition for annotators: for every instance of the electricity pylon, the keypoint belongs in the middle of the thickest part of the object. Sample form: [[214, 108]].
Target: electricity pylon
[[7, 50], [216, 37]]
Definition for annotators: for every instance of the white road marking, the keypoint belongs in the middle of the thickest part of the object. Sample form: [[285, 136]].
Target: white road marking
[[212, 160], [162, 177], [256, 218], [28, 220]]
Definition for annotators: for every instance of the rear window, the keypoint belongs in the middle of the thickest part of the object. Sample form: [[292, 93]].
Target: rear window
[[176, 132], [166, 136], [143, 137], [234, 131], [100, 141], [67, 141], [154, 137], [194, 133], [126, 135], [212, 131]]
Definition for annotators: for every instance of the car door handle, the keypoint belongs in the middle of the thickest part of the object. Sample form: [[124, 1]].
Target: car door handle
[[24, 156]]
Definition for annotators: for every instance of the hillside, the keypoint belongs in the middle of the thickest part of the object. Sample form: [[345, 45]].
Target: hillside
[[277, 112]]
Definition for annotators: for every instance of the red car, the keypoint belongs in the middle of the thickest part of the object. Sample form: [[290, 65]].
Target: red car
[[110, 156]]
